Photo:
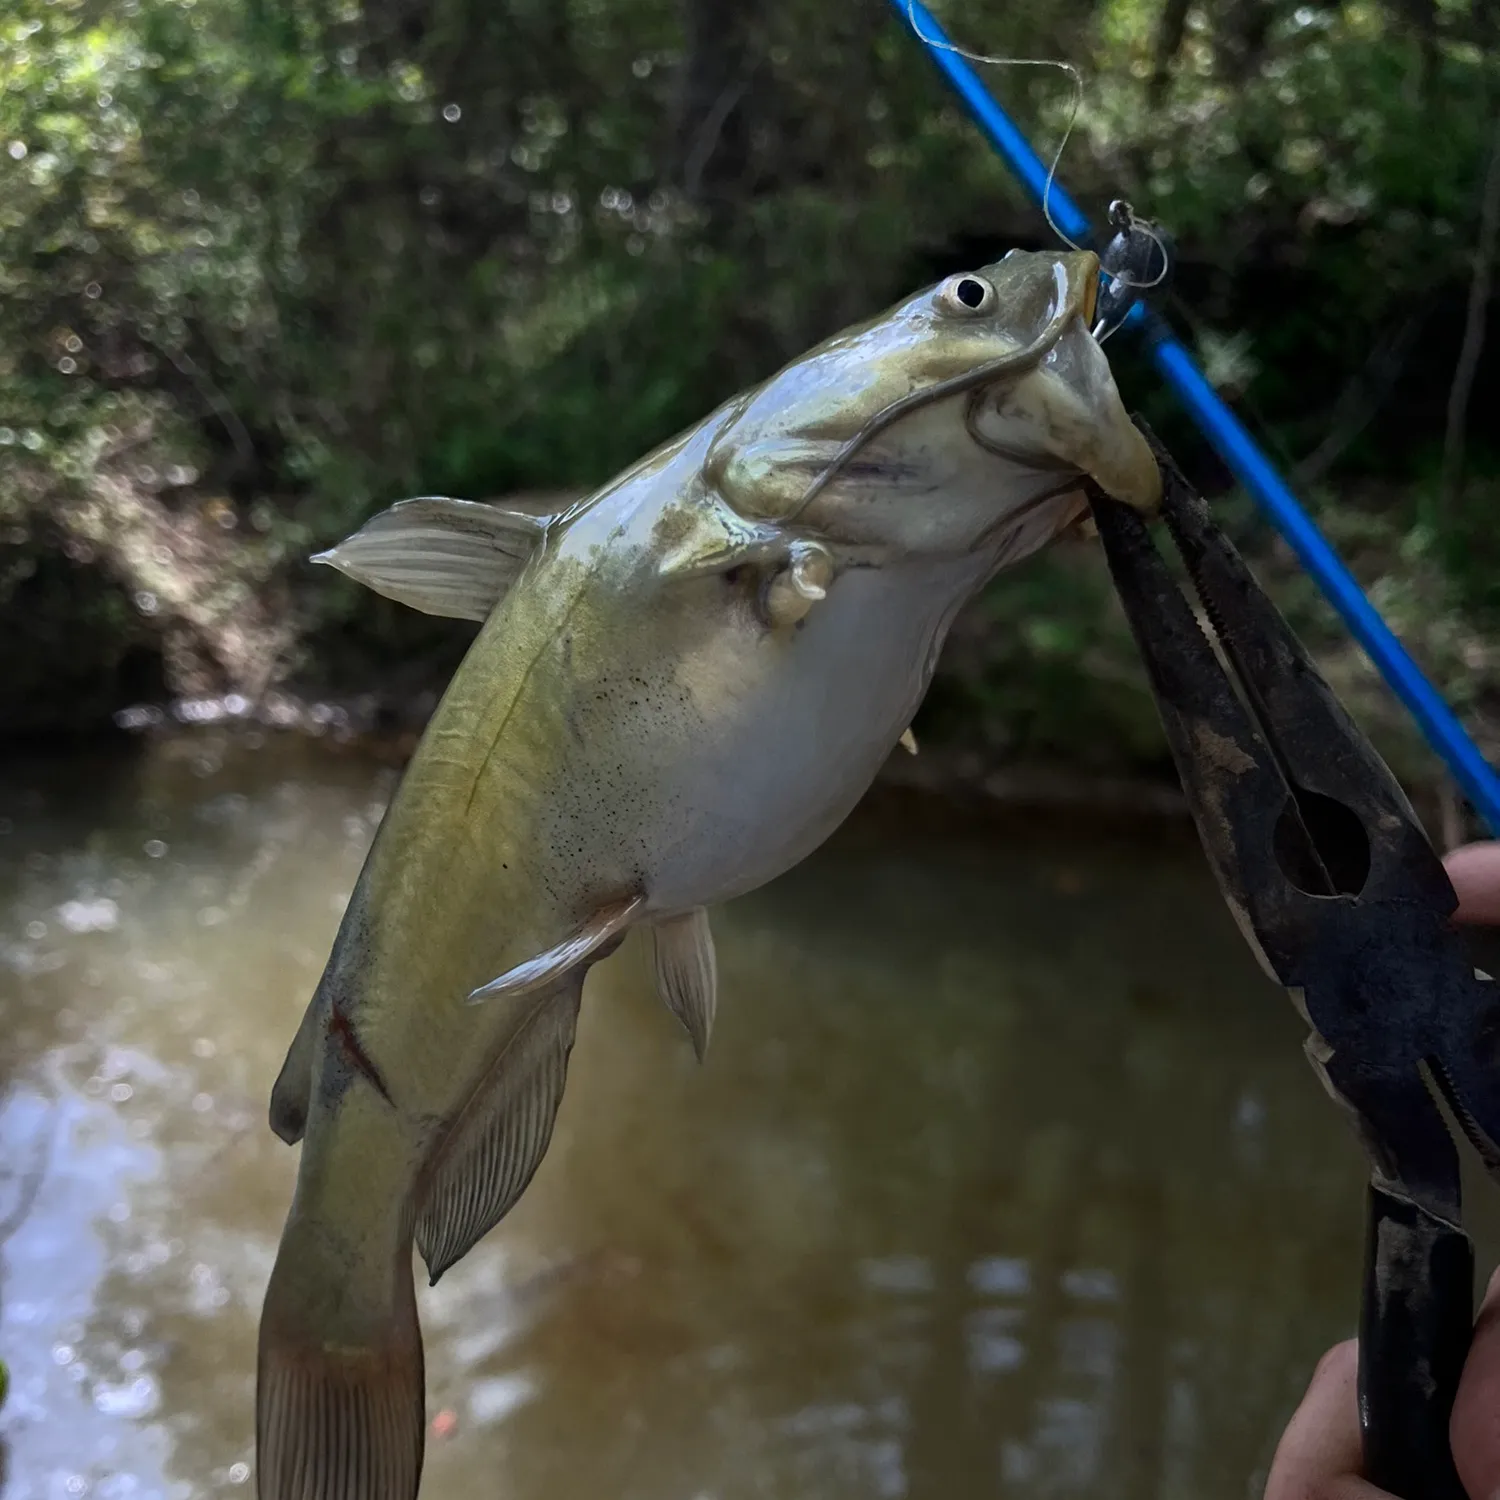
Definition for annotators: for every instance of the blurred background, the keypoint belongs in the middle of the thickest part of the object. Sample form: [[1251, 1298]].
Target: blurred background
[[1005, 1175]]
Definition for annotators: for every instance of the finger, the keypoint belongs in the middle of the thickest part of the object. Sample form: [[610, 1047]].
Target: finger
[[1319, 1455], [1474, 870], [1343, 1487], [1475, 1431]]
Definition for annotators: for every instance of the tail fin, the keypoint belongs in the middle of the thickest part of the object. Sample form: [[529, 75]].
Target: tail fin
[[339, 1401]]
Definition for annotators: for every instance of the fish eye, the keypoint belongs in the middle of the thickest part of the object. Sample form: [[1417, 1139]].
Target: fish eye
[[967, 295]]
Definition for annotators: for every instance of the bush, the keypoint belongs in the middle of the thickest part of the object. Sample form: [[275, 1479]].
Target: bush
[[314, 257]]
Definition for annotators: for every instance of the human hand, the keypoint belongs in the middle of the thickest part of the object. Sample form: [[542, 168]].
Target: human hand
[[1319, 1457], [1474, 870]]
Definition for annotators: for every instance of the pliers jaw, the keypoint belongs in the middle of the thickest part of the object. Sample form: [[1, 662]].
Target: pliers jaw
[[1337, 890]]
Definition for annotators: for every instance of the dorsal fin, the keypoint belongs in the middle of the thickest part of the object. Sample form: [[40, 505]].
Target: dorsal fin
[[441, 556]]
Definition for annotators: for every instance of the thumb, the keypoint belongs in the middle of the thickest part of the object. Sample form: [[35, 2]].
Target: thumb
[[1475, 1431], [1474, 870]]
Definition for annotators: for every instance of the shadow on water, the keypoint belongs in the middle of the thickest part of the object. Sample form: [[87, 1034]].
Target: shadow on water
[[1005, 1175]]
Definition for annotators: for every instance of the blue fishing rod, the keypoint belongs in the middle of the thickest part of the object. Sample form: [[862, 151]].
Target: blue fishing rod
[[1234, 445]]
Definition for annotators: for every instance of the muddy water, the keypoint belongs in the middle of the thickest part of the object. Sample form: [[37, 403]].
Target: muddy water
[[1005, 1175]]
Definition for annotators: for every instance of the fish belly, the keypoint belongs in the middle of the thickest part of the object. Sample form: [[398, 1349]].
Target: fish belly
[[733, 764]]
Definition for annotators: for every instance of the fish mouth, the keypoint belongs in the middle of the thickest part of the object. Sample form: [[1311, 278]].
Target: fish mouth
[[1075, 283], [1072, 421], [1064, 414], [1090, 289]]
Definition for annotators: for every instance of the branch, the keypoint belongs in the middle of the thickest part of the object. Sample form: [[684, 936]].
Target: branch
[[216, 401], [1363, 397], [1473, 344], [1170, 29], [721, 54], [30, 1186], [708, 137]]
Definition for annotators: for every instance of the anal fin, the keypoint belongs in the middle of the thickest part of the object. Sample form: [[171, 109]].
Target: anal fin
[[547, 968], [687, 973], [498, 1144]]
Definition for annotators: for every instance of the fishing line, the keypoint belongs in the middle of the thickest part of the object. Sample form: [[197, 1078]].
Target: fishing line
[[1122, 216], [1136, 224]]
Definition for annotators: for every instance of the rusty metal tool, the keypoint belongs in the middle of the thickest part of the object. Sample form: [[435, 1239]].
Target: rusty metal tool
[[1340, 895]]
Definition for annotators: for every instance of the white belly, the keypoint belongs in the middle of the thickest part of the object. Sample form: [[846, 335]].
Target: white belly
[[760, 747], [704, 754]]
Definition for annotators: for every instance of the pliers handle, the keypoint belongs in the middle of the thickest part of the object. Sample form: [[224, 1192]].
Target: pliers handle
[[1340, 895]]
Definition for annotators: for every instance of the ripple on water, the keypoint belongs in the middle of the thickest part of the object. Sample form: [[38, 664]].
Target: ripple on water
[[70, 1422], [947, 1210]]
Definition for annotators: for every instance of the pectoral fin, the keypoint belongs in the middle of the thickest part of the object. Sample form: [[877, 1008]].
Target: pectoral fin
[[497, 1147], [444, 557], [547, 968], [687, 973], [709, 537]]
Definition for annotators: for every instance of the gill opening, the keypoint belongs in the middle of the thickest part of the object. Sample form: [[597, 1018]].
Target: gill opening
[[1019, 360]]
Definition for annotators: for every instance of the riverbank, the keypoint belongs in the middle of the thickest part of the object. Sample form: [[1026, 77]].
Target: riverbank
[[1039, 702], [942, 789]]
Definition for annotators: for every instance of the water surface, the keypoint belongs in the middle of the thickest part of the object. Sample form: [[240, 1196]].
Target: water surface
[[1005, 1175]]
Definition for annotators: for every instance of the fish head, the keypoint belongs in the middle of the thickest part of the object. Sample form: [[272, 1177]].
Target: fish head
[[967, 416]]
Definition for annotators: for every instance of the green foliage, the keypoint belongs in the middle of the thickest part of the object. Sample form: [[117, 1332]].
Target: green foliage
[[331, 252]]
